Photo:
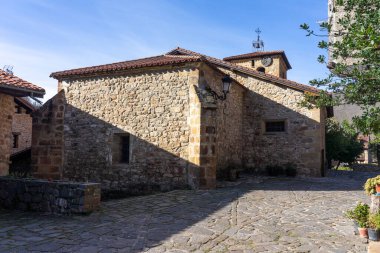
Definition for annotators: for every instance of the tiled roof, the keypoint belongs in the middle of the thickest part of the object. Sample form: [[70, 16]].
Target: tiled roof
[[10, 82], [160, 60], [177, 56], [248, 71], [259, 54]]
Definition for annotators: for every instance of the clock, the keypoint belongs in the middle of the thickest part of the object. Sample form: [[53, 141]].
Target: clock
[[267, 61]]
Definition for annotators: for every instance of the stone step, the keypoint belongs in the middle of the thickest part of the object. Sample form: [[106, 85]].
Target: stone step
[[374, 247]]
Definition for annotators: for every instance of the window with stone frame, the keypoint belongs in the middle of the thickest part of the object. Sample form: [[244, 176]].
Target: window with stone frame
[[275, 126], [121, 148]]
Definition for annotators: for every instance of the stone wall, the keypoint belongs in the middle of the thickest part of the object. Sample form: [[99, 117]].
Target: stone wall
[[229, 121], [6, 112], [335, 13], [277, 68], [194, 137], [22, 126], [47, 138], [47, 196], [302, 142], [216, 134], [152, 106]]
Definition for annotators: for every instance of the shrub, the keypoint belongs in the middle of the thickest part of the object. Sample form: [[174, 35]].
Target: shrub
[[374, 221], [359, 214], [345, 168], [20, 174], [370, 185], [274, 170], [290, 170], [341, 143]]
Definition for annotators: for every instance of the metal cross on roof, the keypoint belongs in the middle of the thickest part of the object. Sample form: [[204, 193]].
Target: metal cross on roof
[[258, 44]]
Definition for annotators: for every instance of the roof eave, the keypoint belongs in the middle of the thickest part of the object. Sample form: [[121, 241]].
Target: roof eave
[[62, 76], [21, 92], [266, 78], [25, 104], [259, 75], [235, 58]]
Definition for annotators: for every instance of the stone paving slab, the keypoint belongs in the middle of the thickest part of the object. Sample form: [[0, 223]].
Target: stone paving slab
[[253, 215]]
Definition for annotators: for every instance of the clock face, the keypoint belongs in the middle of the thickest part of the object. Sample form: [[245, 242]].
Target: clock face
[[267, 61]]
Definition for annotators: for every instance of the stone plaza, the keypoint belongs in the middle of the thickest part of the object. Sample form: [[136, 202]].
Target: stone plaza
[[254, 214]]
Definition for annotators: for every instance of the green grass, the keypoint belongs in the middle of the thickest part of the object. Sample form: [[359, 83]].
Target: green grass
[[345, 168]]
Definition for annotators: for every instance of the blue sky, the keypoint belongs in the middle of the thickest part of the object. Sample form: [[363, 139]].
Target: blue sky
[[38, 37]]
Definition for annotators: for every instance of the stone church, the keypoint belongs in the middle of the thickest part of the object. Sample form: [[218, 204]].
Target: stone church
[[174, 120]]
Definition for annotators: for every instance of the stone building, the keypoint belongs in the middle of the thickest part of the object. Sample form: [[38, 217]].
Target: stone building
[[161, 122], [11, 89], [22, 125]]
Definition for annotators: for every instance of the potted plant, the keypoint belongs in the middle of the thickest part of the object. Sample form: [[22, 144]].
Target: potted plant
[[374, 227], [372, 185], [351, 215], [360, 215]]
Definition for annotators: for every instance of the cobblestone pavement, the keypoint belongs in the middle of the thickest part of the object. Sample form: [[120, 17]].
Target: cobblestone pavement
[[253, 215]]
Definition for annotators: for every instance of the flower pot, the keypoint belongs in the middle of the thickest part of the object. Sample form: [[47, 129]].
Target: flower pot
[[373, 234], [356, 228], [363, 232], [378, 188]]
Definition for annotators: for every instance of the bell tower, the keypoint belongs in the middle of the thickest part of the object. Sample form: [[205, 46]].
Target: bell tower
[[269, 62]]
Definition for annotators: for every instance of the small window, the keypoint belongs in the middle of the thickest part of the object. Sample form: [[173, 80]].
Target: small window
[[18, 109], [124, 149], [275, 126], [15, 140], [261, 69], [121, 148], [252, 63]]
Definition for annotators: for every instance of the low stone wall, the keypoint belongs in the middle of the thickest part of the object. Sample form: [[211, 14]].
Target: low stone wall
[[49, 196]]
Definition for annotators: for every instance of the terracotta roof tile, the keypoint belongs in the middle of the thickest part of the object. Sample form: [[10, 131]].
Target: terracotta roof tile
[[259, 54], [160, 60], [248, 71], [10, 81], [177, 56]]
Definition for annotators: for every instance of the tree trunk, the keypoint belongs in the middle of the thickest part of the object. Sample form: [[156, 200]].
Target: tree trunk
[[378, 154]]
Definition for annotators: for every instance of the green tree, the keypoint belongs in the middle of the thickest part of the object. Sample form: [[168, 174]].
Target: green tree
[[355, 46], [375, 144], [342, 144]]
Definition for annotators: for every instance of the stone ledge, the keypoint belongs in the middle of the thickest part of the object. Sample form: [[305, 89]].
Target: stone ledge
[[49, 196], [374, 247]]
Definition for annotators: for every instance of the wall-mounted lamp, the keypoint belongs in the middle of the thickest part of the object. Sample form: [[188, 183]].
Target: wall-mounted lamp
[[226, 86]]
